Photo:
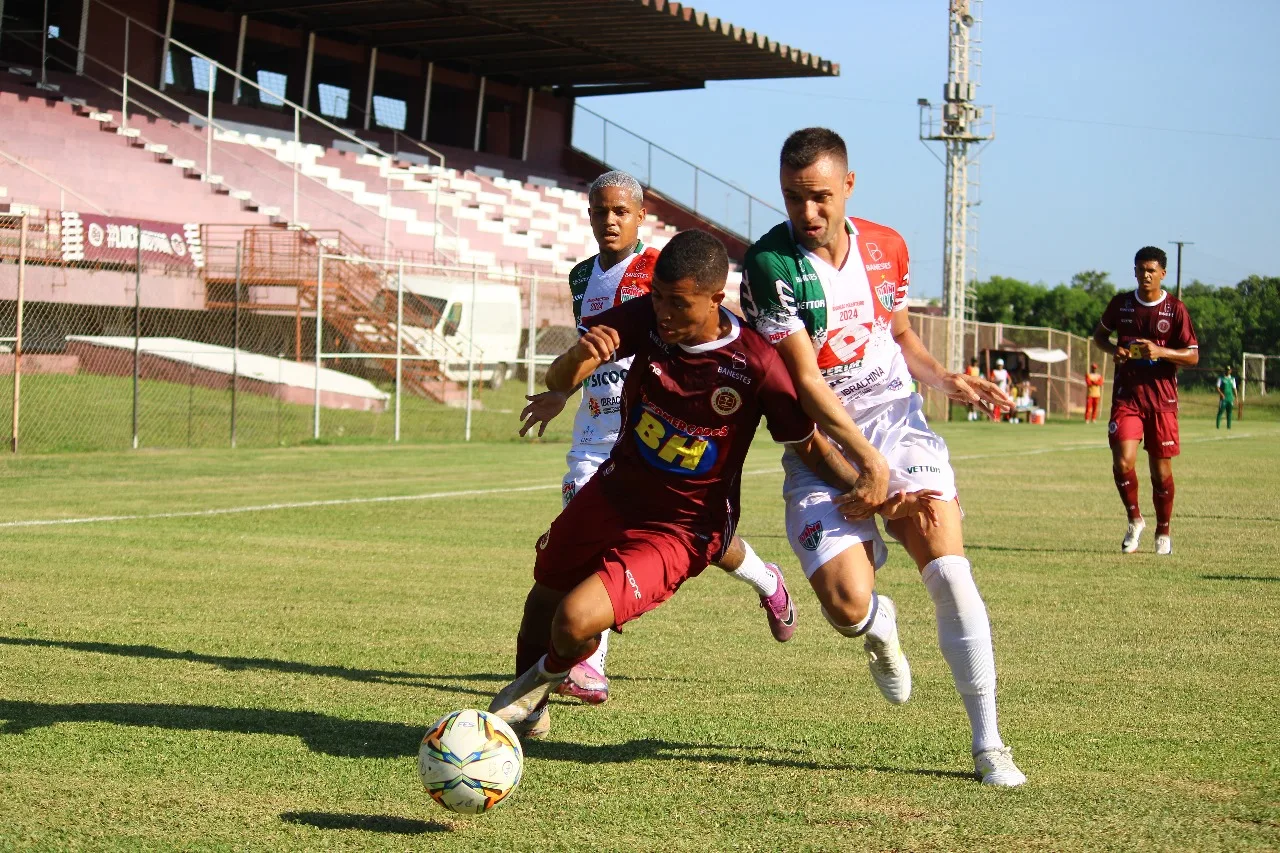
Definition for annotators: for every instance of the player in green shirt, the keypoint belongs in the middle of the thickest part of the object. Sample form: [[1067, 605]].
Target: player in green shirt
[[1226, 397]]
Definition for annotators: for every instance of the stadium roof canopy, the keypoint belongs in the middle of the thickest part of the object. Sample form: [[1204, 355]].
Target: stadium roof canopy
[[582, 47]]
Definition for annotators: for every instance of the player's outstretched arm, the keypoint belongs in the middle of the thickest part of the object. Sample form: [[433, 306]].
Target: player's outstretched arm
[[970, 390], [541, 410], [596, 346], [820, 403]]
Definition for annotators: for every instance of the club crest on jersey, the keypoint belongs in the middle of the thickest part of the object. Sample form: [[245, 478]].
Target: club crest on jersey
[[542, 542], [884, 292], [725, 400], [811, 536], [567, 491], [1162, 327]]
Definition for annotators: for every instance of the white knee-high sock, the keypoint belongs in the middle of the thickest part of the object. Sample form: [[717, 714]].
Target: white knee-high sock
[[964, 635], [597, 659], [875, 624], [755, 573]]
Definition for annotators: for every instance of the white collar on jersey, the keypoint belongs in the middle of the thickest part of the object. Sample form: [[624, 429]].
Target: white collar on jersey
[[734, 330], [1141, 301]]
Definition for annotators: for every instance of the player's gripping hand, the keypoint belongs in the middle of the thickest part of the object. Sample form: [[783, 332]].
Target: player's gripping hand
[[975, 391], [541, 409], [907, 504], [868, 494], [599, 343], [1144, 349]]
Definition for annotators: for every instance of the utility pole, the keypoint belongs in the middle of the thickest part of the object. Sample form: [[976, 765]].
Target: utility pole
[[1180, 244], [964, 128]]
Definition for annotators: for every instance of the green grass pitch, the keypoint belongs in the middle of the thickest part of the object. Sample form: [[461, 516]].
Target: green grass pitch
[[261, 679]]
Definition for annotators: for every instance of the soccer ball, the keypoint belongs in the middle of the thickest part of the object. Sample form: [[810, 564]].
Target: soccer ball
[[470, 761]]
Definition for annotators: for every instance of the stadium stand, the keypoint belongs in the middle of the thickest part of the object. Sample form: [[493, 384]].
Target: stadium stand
[[131, 110]]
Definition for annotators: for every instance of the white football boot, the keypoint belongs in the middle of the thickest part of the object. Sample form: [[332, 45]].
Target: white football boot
[[1132, 535], [888, 665], [996, 767], [519, 702], [1164, 544]]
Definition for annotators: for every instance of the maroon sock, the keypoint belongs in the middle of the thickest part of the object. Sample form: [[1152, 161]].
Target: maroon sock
[[527, 654], [1127, 486], [1162, 495], [556, 663]]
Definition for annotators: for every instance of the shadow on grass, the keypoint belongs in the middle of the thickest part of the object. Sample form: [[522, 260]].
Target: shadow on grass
[[234, 664], [377, 739], [1264, 578], [366, 822]]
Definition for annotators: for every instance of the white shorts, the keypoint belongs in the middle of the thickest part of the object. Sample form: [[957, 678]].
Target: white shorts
[[918, 459], [582, 466]]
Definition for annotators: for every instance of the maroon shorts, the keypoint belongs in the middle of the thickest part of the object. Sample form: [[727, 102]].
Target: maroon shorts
[[642, 563], [1158, 430]]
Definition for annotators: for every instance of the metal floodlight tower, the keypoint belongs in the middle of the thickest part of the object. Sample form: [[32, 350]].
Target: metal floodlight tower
[[964, 128]]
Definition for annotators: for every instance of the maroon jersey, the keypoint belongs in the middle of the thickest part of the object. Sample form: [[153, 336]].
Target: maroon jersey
[[688, 417], [1151, 385]]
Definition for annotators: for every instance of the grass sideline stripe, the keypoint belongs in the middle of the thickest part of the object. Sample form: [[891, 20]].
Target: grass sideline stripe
[[236, 510]]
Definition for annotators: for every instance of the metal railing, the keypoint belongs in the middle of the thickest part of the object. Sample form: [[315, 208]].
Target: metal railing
[[683, 182]]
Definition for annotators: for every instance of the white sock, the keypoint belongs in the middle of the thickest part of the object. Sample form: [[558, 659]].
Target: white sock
[[964, 635], [755, 573], [597, 659], [875, 624]]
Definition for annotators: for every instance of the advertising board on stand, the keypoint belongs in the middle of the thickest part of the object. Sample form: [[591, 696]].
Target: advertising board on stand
[[115, 239]]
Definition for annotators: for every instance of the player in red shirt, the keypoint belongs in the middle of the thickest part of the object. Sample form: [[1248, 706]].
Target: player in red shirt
[[1093, 381], [665, 504], [1154, 337]]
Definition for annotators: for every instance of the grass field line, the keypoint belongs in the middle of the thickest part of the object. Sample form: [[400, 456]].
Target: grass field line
[[503, 490], [1092, 445]]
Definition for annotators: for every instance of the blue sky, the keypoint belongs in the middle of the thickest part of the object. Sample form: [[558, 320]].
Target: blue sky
[[1119, 124]]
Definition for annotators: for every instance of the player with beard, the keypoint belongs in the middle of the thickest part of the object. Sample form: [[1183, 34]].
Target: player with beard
[[622, 271], [830, 293]]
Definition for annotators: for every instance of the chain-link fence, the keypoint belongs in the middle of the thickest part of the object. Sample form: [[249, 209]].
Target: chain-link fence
[[117, 353], [1053, 361], [120, 354]]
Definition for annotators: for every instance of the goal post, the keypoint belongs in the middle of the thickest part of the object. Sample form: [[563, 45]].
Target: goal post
[[1253, 375]]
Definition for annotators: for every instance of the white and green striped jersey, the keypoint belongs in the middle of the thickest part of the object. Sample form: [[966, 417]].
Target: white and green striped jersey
[[846, 312]]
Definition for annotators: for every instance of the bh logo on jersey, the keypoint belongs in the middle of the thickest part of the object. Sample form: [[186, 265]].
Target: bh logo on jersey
[[669, 449], [810, 536]]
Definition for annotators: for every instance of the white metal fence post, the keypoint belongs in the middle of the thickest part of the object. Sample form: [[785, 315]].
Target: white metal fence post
[[532, 346], [208, 127], [399, 339], [471, 348], [17, 343], [315, 428]]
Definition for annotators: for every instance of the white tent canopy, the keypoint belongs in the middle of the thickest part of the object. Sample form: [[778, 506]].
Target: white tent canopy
[[1045, 356]]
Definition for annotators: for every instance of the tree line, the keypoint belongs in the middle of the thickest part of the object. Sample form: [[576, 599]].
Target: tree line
[[1228, 320]]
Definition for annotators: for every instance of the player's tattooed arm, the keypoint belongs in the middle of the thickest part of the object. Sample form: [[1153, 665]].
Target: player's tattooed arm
[[820, 403], [827, 462]]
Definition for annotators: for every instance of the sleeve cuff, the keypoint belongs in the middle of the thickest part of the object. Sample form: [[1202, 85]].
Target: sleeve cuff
[[799, 440]]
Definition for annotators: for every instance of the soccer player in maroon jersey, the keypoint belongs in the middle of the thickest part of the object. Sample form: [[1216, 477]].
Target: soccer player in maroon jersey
[[665, 504], [1154, 337]]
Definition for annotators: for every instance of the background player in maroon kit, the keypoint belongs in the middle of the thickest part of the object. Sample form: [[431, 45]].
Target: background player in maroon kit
[[665, 504], [1154, 337]]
